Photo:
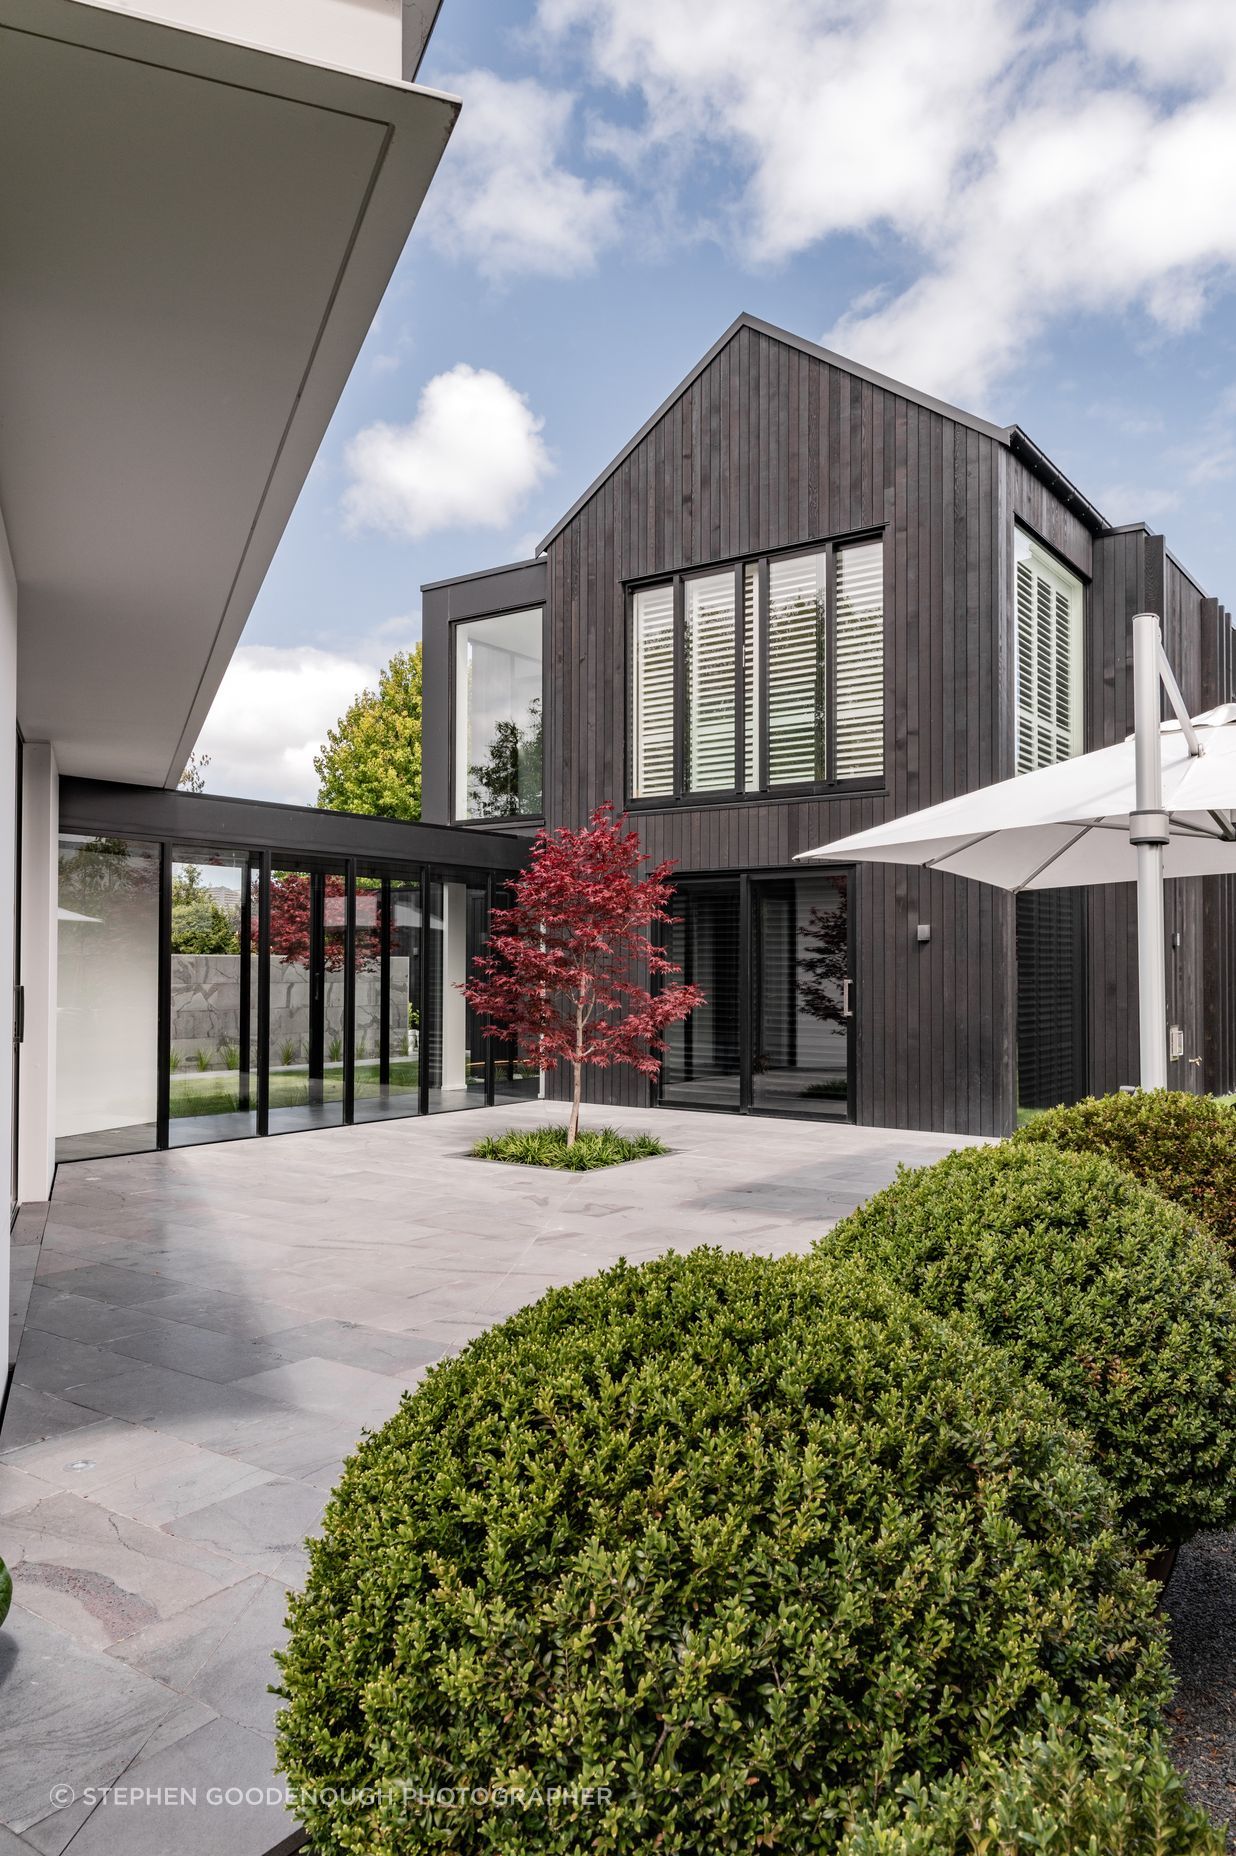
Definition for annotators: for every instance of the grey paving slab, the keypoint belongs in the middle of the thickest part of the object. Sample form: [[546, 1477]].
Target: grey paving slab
[[220, 1653], [331, 1387], [31, 1414], [81, 1718], [262, 1526], [351, 1343], [79, 1317], [99, 1575], [192, 1799]]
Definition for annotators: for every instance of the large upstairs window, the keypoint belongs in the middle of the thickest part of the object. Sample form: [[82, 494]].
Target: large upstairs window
[[764, 676], [1050, 604], [498, 725]]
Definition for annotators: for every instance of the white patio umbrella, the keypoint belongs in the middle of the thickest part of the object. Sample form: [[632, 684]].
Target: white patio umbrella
[[1158, 804]]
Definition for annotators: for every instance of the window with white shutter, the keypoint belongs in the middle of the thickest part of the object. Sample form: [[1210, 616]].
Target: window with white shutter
[[751, 677], [1049, 657], [797, 686], [796, 639], [652, 693], [709, 656], [859, 696]]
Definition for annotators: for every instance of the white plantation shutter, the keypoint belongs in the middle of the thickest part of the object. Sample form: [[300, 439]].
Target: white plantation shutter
[[652, 693], [709, 616], [751, 678], [797, 686], [859, 724], [1049, 658]]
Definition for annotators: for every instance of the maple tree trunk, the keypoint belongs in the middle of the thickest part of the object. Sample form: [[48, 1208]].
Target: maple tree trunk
[[577, 1082]]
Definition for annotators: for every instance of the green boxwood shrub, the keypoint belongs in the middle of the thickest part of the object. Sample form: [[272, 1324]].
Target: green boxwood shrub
[[763, 1550], [1101, 1290], [1183, 1145]]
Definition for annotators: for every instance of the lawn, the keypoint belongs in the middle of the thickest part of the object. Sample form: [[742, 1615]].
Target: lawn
[[214, 1092]]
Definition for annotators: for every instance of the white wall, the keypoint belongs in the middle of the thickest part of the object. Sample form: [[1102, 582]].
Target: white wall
[[36, 1123], [8, 879], [352, 35]]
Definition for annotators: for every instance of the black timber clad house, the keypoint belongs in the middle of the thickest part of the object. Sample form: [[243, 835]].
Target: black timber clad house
[[972, 609]]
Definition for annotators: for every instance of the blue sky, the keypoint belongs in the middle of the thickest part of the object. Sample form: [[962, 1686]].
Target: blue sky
[[984, 197]]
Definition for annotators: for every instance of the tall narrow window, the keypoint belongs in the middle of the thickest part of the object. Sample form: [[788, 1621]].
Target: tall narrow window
[[652, 692], [751, 677], [1049, 658], [709, 621], [797, 683], [860, 662], [498, 716]]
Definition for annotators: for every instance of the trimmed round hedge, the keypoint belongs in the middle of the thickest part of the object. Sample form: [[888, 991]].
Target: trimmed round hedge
[[1097, 1287], [762, 1552], [1182, 1145]]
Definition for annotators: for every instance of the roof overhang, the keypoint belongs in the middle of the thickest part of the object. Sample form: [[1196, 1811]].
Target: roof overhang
[[195, 236]]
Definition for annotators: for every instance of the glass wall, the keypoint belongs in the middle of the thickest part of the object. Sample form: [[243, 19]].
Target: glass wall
[[498, 719], [800, 1036], [107, 1096], [212, 998], [306, 977], [701, 1066], [771, 956], [455, 1054], [211, 992], [386, 1060]]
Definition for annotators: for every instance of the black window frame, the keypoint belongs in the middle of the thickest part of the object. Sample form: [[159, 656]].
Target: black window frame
[[764, 791], [452, 712]]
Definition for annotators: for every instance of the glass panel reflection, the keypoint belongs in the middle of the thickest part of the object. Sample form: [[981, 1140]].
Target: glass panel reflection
[[454, 1048], [306, 977], [210, 1096], [701, 1065], [386, 1074], [107, 1011], [799, 1037]]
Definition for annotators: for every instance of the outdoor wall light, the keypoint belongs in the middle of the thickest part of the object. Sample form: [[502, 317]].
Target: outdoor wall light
[[923, 932]]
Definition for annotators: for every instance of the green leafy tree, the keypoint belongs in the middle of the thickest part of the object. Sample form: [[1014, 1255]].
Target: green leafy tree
[[199, 925], [508, 783], [371, 760]]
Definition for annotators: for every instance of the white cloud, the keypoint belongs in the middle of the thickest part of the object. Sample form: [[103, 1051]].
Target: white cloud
[[469, 458], [503, 198], [272, 712], [1027, 163]]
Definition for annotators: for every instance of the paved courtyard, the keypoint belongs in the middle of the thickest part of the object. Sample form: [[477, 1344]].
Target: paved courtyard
[[208, 1332]]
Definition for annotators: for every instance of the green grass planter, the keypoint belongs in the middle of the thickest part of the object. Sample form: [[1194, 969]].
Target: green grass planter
[[593, 1148], [1098, 1288], [764, 1551], [1183, 1145]]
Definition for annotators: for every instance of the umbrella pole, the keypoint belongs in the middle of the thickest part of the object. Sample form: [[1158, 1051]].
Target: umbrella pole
[[1148, 833]]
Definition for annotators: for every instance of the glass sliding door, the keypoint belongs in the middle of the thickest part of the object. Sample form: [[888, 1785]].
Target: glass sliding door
[[454, 1048], [212, 1002], [771, 955], [306, 974], [107, 1008], [386, 1054], [800, 997], [701, 1067]]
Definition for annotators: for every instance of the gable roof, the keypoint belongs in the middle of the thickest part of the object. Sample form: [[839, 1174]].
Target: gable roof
[[1010, 436]]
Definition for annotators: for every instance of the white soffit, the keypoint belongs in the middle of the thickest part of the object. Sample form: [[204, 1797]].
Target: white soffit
[[194, 239]]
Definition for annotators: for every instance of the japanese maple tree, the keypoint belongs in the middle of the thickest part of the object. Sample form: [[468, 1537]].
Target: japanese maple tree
[[567, 966]]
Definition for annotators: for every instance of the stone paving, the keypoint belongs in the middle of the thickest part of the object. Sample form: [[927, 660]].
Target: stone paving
[[208, 1331]]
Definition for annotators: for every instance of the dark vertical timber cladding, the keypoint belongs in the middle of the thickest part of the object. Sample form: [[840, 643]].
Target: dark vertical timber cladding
[[772, 447]]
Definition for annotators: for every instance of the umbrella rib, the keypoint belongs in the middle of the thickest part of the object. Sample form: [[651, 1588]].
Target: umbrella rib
[[1048, 861], [931, 863]]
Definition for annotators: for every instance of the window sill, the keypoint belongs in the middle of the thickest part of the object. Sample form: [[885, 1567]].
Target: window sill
[[778, 795]]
